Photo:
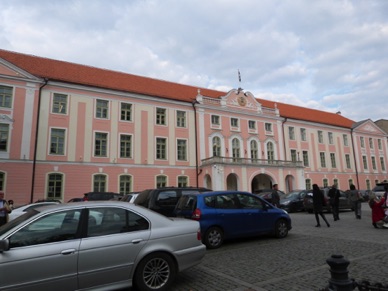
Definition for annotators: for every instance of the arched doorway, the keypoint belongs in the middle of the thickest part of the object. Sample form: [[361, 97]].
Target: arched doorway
[[261, 181], [289, 182], [208, 182], [231, 182]]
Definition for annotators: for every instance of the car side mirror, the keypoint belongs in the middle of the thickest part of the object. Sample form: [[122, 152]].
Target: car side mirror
[[4, 245]]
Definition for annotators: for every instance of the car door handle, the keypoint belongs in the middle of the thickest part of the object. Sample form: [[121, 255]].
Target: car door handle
[[136, 241], [68, 252]]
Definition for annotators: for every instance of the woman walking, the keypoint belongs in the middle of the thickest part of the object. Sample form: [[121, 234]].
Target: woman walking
[[318, 203]]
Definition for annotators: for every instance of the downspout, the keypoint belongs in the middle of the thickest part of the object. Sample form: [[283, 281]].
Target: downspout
[[36, 141], [354, 157], [196, 145]]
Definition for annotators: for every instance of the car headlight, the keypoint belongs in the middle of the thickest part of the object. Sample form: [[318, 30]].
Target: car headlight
[[286, 202]]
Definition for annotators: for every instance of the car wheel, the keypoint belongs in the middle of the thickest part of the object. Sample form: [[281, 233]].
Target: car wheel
[[214, 237], [281, 229], [155, 272]]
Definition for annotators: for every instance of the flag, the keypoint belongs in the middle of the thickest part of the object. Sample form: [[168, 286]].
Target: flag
[[239, 76]]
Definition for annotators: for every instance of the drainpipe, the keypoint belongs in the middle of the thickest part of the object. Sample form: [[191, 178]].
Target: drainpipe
[[196, 145], [354, 157], [36, 141]]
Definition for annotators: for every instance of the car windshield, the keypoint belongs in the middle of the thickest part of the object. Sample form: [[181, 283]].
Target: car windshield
[[291, 195], [6, 227]]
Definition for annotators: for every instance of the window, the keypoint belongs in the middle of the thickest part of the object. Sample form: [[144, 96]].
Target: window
[[345, 138], [382, 164], [6, 93], [2, 180], [291, 133], [350, 182], [99, 183], [101, 109], [379, 144], [181, 146], [367, 181], [365, 162], [57, 141], [59, 103], [270, 151], [234, 122], [371, 143], [362, 142], [101, 144], [215, 120], [235, 148], [330, 136], [305, 158], [293, 155], [325, 183], [125, 146], [323, 160], [268, 127], [216, 146], [308, 184], [4, 133], [126, 112], [303, 136], [125, 184], [254, 150], [320, 136], [347, 158], [373, 163], [252, 125], [161, 117], [181, 118], [335, 182], [161, 148], [332, 159], [182, 181], [161, 181], [54, 186]]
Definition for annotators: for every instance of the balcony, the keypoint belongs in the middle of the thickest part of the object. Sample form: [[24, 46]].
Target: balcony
[[251, 162]]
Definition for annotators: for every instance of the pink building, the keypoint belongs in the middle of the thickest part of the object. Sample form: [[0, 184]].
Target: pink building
[[67, 129]]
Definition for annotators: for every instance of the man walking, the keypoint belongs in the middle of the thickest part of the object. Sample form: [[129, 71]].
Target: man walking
[[275, 199], [334, 201], [4, 209]]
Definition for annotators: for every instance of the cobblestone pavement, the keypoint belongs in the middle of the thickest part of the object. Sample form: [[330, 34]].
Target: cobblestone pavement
[[297, 262]]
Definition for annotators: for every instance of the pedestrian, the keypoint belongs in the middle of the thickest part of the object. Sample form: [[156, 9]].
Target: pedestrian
[[275, 199], [4, 209], [356, 197], [378, 214], [318, 203], [10, 203], [334, 201]]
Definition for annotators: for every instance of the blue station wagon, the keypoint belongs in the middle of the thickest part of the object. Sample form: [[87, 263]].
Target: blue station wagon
[[232, 214]]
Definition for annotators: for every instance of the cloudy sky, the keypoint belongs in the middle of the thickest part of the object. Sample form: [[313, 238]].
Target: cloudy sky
[[330, 55]]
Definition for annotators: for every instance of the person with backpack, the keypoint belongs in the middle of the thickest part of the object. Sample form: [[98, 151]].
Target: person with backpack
[[334, 201], [4, 209]]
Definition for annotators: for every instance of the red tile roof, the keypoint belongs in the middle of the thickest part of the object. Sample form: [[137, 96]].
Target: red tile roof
[[102, 78]]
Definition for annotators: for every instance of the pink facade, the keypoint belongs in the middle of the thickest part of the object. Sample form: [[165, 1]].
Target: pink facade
[[96, 138]]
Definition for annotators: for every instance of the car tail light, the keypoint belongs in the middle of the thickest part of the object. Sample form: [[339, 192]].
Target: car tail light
[[196, 214], [199, 237]]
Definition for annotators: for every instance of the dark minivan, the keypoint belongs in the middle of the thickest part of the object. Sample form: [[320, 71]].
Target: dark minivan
[[163, 200]]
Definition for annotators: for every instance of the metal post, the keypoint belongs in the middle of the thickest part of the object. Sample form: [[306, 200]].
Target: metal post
[[339, 280]]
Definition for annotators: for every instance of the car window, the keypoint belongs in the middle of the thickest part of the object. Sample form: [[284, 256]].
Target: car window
[[110, 220], [210, 201], [167, 198], [247, 201], [53, 227], [227, 201], [187, 202]]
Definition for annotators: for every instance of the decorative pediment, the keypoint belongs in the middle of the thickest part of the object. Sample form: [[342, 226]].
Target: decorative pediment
[[239, 99], [8, 69], [368, 126]]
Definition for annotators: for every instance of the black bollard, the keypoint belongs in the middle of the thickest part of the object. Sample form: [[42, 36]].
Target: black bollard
[[339, 280]]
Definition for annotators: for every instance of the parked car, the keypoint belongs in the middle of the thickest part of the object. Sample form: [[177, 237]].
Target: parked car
[[365, 194], [163, 200], [379, 189], [23, 209], [130, 197], [344, 201], [232, 214], [266, 194], [99, 245], [293, 201], [93, 196], [78, 199]]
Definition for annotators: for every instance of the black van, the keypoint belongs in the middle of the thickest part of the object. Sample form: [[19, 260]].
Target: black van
[[163, 200], [92, 196]]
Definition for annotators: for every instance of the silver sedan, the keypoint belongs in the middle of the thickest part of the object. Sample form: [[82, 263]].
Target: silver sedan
[[96, 245]]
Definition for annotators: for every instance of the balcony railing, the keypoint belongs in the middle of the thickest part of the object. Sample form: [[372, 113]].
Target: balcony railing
[[251, 162]]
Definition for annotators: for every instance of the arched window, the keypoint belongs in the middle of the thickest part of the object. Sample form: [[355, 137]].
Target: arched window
[[125, 184], [99, 183], [161, 181], [183, 181], [254, 150], [54, 186], [325, 183], [235, 148], [308, 184], [2, 180], [270, 151], [216, 146]]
